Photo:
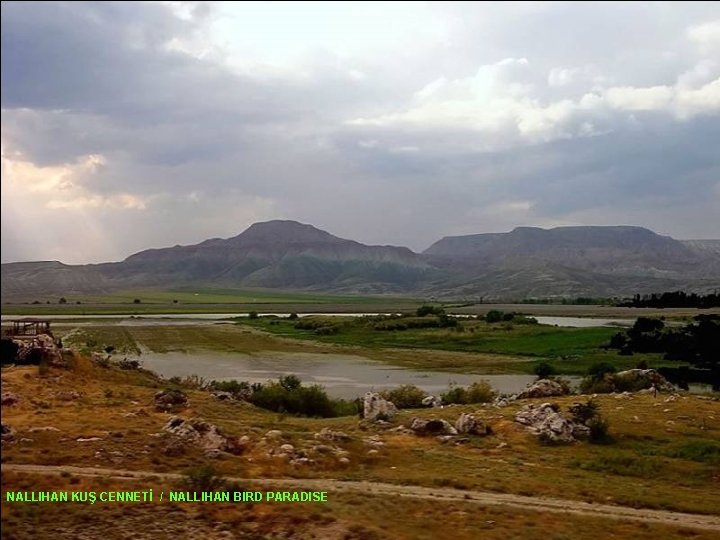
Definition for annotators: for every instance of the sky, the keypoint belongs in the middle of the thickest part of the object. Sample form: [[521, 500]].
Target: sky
[[127, 126]]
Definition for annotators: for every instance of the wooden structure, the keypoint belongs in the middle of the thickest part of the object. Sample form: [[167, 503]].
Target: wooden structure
[[27, 329]]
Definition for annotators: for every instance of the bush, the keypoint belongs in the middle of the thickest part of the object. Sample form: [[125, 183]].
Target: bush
[[290, 382], [582, 413], [478, 392], [599, 429], [203, 478], [293, 316], [407, 396], [136, 301], [494, 316], [303, 400], [326, 330], [591, 385], [252, 315], [600, 369], [425, 310], [544, 370]]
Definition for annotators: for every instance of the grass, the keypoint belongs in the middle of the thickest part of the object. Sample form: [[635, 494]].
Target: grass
[[663, 455]]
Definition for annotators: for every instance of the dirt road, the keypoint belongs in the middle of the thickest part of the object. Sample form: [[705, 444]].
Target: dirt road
[[537, 504]]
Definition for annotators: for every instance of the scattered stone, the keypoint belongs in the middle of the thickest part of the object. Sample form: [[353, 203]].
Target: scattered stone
[[88, 439], [171, 400], [467, 423], [376, 408], [502, 401], [128, 364], [543, 388], [287, 448], [322, 449], [213, 453], [423, 427], [175, 448], [374, 441], [327, 434], [9, 399], [274, 434], [344, 461], [372, 452], [432, 401], [502, 445]]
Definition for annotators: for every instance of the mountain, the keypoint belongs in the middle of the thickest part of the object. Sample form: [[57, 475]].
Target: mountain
[[275, 254], [573, 261], [526, 262]]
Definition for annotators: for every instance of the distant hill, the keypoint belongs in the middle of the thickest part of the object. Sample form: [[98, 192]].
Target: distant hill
[[526, 262]]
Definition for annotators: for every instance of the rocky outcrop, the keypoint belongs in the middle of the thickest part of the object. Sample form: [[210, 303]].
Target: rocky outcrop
[[549, 425], [641, 379], [543, 388], [203, 434], [422, 426], [375, 408], [171, 400], [469, 424], [432, 401]]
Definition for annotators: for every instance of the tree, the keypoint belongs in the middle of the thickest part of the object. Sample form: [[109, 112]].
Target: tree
[[62, 300], [136, 301], [494, 316], [544, 370]]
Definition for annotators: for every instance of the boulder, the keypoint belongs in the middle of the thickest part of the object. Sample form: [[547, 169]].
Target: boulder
[[549, 425], [375, 408], [171, 400], [129, 364], [9, 399], [421, 426], [222, 396], [432, 401], [543, 388], [203, 434], [640, 379], [467, 423]]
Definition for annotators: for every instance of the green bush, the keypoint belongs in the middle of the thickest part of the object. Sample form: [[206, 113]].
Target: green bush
[[494, 316], [252, 315], [477, 392], [203, 478], [425, 310], [406, 396], [289, 396], [544, 370], [599, 429]]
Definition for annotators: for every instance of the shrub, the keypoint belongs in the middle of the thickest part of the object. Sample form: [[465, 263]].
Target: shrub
[[203, 478], [480, 392], [544, 370], [425, 310], [293, 316], [303, 400], [591, 385], [494, 316], [252, 315], [599, 429], [290, 382], [326, 330], [136, 301], [407, 396], [582, 413], [600, 369]]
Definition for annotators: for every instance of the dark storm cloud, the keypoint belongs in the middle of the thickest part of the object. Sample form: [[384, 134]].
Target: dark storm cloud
[[128, 117]]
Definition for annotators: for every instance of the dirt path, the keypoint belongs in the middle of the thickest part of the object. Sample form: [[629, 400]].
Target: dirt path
[[537, 504]]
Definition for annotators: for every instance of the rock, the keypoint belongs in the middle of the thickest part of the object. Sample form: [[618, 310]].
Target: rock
[[641, 379], [128, 364], [500, 402], [175, 448], [274, 434], [8, 433], [432, 401], [374, 441], [344, 461], [170, 400], [67, 395], [287, 448], [422, 426], [9, 399], [222, 396], [203, 434], [543, 388], [42, 428], [467, 423], [372, 452], [375, 408], [327, 434], [323, 449], [548, 424], [88, 439]]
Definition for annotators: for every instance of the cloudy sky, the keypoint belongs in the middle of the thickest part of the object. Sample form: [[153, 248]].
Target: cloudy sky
[[135, 125]]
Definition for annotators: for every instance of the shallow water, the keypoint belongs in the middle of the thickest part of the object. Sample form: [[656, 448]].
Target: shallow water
[[344, 376]]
